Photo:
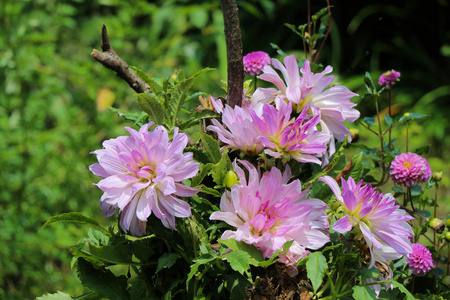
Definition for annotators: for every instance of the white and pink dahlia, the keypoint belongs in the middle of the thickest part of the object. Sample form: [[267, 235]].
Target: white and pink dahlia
[[285, 137], [240, 131], [374, 216], [268, 212], [313, 90], [144, 173], [410, 169]]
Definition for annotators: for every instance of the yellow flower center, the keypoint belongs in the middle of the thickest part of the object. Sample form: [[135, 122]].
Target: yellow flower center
[[407, 164]]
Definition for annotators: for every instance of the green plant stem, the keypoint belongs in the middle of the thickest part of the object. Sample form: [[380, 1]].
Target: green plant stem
[[255, 83], [380, 135], [327, 33], [407, 124], [435, 210], [412, 284], [390, 115], [309, 29], [367, 127]]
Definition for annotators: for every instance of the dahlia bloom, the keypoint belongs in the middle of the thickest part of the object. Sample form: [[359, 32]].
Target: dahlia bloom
[[267, 212], [241, 133], [144, 173], [254, 62], [285, 137], [375, 216], [389, 78], [409, 169], [311, 90], [420, 260]]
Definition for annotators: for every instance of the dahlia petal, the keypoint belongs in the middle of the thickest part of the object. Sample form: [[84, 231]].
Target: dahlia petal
[[343, 224]]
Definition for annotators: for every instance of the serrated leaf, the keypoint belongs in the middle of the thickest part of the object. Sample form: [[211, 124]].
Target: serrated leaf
[[167, 260], [208, 190], [152, 107], [117, 254], [74, 217], [237, 285], [239, 261], [103, 281], [156, 88], [56, 296], [205, 258], [220, 169], [98, 237], [136, 118], [388, 120], [316, 267], [403, 289], [363, 292], [255, 255], [211, 147], [197, 116], [192, 272]]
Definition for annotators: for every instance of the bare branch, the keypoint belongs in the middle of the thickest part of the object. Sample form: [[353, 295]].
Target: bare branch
[[112, 61], [235, 65]]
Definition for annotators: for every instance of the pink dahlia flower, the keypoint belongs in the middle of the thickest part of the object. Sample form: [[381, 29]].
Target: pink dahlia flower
[[254, 62], [376, 217], [144, 173], [389, 78], [285, 137], [410, 169], [268, 212], [420, 260], [311, 90], [240, 133]]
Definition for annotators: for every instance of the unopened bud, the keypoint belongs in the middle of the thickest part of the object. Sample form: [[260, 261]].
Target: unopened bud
[[230, 179], [437, 224], [355, 134], [437, 176], [447, 236], [406, 114], [446, 280]]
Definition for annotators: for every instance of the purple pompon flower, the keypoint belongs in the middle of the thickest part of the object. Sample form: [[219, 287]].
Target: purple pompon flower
[[240, 133], [314, 90], [410, 169], [285, 137], [420, 261], [267, 212], [375, 217], [389, 78], [254, 62], [144, 173]]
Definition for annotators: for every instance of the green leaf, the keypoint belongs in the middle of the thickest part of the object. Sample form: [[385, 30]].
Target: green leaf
[[205, 258], [135, 117], [316, 267], [56, 296], [416, 190], [220, 169], [200, 155], [388, 120], [156, 88], [369, 84], [117, 254], [167, 260], [197, 179], [237, 285], [211, 147], [411, 116], [208, 190], [98, 237], [239, 261], [74, 217], [254, 254], [152, 107], [102, 281], [422, 150], [403, 289], [197, 116], [357, 166], [363, 292], [369, 120]]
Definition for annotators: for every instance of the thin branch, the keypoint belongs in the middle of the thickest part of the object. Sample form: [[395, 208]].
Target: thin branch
[[235, 65], [112, 61], [327, 33]]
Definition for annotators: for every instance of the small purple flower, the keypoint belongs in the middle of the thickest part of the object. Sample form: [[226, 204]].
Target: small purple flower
[[420, 260], [375, 217], [285, 137], [254, 62], [410, 169], [268, 212], [144, 173], [389, 78]]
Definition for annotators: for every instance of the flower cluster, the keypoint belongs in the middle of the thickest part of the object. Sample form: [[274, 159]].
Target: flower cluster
[[389, 78], [254, 62], [267, 212], [410, 169], [143, 173], [420, 260]]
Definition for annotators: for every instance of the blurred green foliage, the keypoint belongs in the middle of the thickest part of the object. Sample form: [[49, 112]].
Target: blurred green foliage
[[50, 121]]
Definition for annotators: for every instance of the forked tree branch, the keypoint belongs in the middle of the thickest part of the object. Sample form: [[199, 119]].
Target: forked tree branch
[[112, 61], [235, 65]]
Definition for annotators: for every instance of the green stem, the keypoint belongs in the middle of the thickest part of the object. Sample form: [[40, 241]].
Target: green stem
[[435, 209], [390, 115], [255, 82], [380, 135], [407, 124]]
